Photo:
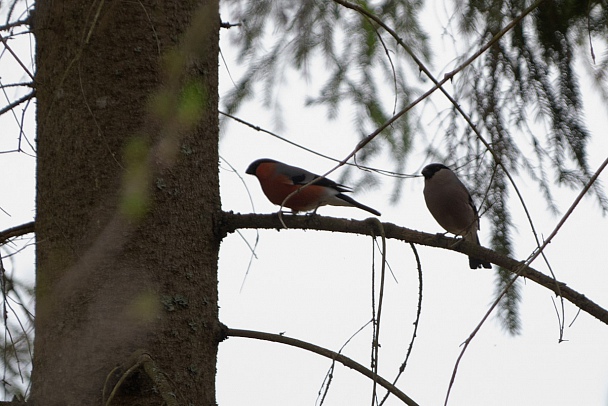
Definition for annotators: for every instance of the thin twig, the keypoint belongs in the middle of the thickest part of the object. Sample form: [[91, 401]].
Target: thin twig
[[14, 24], [141, 358], [468, 119], [17, 102], [16, 231], [227, 25], [437, 85], [275, 135], [257, 232], [416, 323], [158, 47], [457, 106], [22, 134], [522, 269], [589, 31], [448, 76], [377, 316], [278, 338], [390, 60], [329, 375], [3, 40], [19, 84]]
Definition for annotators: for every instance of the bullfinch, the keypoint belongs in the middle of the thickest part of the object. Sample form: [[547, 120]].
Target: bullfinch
[[451, 205], [278, 180]]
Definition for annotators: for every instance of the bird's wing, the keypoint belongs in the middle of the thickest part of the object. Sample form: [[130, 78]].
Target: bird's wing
[[476, 213], [301, 176]]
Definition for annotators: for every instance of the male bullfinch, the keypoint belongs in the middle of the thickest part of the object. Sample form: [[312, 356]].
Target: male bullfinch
[[278, 180], [451, 205]]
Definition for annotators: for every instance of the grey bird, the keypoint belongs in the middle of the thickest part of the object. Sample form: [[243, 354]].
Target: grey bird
[[450, 203]]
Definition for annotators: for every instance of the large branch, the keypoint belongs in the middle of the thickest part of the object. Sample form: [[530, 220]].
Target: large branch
[[232, 221], [16, 231]]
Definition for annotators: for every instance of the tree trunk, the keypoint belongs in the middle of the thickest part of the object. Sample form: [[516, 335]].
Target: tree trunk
[[127, 196]]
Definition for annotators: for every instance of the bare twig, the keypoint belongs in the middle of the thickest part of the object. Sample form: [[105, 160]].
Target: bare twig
[[19, 84], [16, 231], [141, 359], [22, 134], [14, 24], [416, 323], [367, 168], [457, 106], [437, 85], [17, 102], [278, 338], [377, 316], [521, 270], [468, 119], [329, 376], [227, 25], [257, 233], [3, 40], [421, 65]]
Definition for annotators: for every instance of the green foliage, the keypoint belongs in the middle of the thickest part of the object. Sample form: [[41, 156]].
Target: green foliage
[[508, 307], [532, 76], [135, 199], [276, 35], [192, 104], [500, 218], [529, 76]]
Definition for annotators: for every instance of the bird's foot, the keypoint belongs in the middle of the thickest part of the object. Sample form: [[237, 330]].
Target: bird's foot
[[312, 213], [457, 241], [285, 212], [441, 235]]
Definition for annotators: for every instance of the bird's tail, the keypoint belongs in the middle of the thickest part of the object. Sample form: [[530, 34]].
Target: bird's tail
[[353, 202], [475, 263]]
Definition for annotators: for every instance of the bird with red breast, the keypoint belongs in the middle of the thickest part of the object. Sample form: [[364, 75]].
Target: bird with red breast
[[279, 180]]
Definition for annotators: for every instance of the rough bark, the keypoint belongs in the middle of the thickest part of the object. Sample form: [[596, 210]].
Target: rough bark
[[113, 279]]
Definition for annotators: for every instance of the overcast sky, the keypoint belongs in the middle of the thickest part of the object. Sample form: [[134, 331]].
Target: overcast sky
[[316, 286]]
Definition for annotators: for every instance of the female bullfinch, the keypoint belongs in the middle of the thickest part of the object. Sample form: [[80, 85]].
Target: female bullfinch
[[451, 205], [278, 180]]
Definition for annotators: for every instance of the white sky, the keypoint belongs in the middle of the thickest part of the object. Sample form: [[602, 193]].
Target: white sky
[[316, 286]]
